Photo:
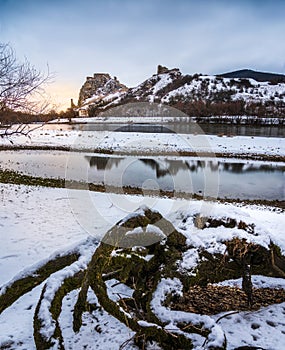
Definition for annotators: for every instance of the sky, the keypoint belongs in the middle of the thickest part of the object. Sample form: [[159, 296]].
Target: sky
[[129, 38]]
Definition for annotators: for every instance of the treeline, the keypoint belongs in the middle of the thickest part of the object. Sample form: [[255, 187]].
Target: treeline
[[232, 108], [202, 108], [10, 117]]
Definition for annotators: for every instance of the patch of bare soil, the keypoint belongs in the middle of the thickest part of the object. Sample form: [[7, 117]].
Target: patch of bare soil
[[212, 299]]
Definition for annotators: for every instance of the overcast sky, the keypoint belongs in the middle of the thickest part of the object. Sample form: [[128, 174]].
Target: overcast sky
[[129, 38]]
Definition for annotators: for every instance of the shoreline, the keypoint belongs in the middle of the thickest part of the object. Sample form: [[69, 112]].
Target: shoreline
[[16, 178], [244, 120], [146, 152]]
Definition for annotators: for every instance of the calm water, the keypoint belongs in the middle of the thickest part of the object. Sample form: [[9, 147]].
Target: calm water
[[225, 178], [182, 127]]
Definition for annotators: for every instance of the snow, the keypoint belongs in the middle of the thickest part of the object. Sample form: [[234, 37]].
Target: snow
[[106, 331], [54, 282], [37, 223], [147, 324], [258, 281], [264, 328], [117, 290], [189, 260], [18, 331], [257, 92], [124, 142], [203, 87], [139, 211], [268, 226], [103, 97], [163, 80], [227, 119], [156, 230], [167, 286], [120, 119], [135, 231]]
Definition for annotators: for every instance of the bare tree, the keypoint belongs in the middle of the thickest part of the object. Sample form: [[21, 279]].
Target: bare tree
[[19, 82], [21, 87]]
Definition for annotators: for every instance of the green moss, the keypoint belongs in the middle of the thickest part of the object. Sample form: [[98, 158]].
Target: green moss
[[130, 267], [9, 176], [25, 284], [277, 250], [40, 341], [214, 268], [68, 285]]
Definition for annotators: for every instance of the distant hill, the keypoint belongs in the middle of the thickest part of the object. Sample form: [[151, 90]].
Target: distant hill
[[243, 92], [258, 76]]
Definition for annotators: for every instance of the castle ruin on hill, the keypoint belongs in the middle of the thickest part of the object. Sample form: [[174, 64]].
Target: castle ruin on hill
[[98, 85]]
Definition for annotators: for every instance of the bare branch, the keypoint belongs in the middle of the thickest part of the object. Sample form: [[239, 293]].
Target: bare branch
[[21, 84], [22, 92]]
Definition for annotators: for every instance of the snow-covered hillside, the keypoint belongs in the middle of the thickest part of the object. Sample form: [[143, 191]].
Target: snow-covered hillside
[[169, 86]]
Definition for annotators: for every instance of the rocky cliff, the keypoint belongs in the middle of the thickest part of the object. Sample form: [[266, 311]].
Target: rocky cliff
[[98, 86], [196, 95]]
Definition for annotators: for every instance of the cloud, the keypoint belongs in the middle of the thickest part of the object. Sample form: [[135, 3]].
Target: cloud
[[129, 38]]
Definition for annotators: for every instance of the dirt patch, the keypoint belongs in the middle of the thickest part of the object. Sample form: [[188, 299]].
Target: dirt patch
[[213, 299]]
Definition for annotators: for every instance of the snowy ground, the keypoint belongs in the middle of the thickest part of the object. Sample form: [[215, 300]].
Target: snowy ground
[[35, 222], [150, 142]]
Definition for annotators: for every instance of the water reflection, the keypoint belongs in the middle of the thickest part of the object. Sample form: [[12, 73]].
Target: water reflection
[[227, 178], [235, 179], [102, 163], [173, 166]]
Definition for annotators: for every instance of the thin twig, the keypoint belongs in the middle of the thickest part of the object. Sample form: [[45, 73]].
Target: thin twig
[[228, 314]]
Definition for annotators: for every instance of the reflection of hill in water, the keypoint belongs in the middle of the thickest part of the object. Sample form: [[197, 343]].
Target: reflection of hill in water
[[243, 168], [172, 167], [160, 170], [102, 163]]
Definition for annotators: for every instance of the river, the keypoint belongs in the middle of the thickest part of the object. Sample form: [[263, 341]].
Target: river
[[222, 177]]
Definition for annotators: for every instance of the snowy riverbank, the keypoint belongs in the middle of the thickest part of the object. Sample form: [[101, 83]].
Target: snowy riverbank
[[150, 143], [228, 119]]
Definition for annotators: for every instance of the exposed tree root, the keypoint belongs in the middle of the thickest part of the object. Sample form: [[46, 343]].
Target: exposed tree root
[[140, 261], [27, 283], [44, 342]]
